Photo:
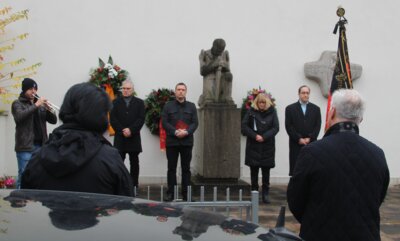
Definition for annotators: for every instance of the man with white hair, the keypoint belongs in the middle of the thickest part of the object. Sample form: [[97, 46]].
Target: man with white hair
[[340, 181], [127, 119]]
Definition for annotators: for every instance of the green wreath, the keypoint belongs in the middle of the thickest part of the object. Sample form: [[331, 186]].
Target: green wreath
[[154, 104]]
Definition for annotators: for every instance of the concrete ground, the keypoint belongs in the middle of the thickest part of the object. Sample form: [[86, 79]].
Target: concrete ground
[[390, 210]]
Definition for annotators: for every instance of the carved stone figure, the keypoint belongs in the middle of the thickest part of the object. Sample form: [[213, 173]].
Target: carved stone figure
[[322, 71], [217, 78]]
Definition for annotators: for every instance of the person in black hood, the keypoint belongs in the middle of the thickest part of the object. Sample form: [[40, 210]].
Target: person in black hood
[[260, 125], [77, 157]]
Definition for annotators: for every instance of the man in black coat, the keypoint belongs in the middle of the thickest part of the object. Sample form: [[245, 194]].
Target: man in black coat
[[127, 118], [303, 123], [179, 119], [340, 182]]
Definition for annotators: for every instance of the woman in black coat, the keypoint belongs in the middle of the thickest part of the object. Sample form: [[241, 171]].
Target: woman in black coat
[[260, 125]]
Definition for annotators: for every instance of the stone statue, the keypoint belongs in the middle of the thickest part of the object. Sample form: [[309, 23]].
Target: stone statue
[[217, 78]]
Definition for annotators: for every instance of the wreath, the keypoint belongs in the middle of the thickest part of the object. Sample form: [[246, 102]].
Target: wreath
[[108, 76], [251, 96], [154, 103]]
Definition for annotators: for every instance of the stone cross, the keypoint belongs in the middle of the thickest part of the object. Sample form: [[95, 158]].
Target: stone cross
[[322, 71]]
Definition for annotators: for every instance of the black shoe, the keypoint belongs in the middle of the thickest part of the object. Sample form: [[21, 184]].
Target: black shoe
[[265, 195], [168, 198], [265, 199]]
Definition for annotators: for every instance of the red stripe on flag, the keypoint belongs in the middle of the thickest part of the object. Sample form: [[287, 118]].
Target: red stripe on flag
[[328, 107]]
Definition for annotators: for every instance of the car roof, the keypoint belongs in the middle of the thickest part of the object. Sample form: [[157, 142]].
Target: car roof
[[40, 215]]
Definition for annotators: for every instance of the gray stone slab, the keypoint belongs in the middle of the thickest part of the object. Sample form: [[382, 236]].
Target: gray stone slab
[[217, 153]]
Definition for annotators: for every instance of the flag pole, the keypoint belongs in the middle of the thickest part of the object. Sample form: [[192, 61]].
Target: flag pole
[[342, 74]]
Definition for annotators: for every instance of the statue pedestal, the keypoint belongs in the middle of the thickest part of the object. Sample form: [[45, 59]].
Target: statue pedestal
[[217, 152]]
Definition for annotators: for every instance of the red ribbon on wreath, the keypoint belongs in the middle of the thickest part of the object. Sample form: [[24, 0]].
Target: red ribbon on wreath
[[163, 136]]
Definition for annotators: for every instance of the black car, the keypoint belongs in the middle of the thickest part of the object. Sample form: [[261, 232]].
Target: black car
[[38, 215]]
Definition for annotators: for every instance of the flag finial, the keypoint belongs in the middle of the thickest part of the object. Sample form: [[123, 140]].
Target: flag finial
[[340, 12]]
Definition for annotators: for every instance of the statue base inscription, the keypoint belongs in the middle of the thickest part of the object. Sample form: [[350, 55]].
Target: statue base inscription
[[217, 154]]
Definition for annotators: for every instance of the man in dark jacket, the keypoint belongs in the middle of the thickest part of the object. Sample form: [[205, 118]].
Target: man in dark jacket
[[127, 118], [77, 157], [340, 182], [30, 116], [179, 119], [303, 123]]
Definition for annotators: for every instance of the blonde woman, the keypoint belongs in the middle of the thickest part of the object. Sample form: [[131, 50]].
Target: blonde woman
[[260, 125]]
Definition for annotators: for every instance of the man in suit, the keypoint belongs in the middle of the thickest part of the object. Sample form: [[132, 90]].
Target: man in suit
[[127, 118], [340, 181], [303, 123]]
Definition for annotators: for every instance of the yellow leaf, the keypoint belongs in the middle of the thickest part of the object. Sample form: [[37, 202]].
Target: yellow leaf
[[17, 62], [23, 36], [20, 77], [32, 67], [7, 47], [14, 17], [5, 10]]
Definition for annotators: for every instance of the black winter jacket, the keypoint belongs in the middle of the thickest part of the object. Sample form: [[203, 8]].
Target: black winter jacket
[[337, 187], [266, 124], [175, 112], [77, 160], [23, 111]]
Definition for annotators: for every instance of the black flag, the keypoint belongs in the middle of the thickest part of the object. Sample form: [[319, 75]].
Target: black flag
[[341, 75]]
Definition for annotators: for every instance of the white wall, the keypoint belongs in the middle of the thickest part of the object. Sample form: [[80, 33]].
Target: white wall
[[158, 42]]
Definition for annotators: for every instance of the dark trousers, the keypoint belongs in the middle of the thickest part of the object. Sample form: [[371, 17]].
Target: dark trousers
[[173, 153], [254, 177], [134, 163]]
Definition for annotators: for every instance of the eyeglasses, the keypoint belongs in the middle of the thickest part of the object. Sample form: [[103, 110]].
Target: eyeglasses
[[126, 88], [262, 102]]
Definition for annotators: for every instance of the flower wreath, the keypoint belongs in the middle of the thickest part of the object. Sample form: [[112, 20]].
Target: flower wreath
[[7, 182], [251, 95], [154, 104], [108, 76]]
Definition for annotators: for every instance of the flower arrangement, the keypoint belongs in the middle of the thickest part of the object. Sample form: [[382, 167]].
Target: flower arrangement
[[108, 75], [251, 95], [7, 182], [154, 104]]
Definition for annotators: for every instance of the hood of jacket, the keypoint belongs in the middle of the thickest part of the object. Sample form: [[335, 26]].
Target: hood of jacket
[[68, 149]]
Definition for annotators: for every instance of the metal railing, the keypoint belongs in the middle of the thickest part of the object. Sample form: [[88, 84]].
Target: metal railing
[[251, 207]]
